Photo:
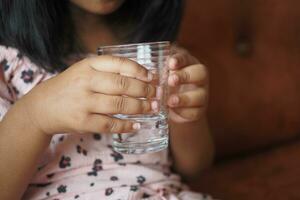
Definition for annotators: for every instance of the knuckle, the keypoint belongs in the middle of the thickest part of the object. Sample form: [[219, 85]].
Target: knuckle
[[122, 83], [134, 106], [87, 62], [145, 106], [110, 125], [135, 68], [119, 103], [119, 60], [79, 80], [139, 106], [146, 89], [185, 76]]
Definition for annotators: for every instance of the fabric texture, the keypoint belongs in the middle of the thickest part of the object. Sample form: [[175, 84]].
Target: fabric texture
[[84, 166]]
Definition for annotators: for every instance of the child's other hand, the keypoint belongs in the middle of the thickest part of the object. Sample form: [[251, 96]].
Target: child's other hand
[[188, 80]]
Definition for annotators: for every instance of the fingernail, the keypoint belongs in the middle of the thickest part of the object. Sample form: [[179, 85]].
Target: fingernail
[[150, 76], [154, 105], [175, 100], [136, 126], [173, 62]]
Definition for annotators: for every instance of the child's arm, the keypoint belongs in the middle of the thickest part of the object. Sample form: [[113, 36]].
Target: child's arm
[[192, 147], [191, 143], [21, 145]]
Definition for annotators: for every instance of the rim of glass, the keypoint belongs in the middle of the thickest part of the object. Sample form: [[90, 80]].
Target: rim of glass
[[163, 43]]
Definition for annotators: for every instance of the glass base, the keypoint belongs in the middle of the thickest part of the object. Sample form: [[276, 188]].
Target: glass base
[[140, 148], [153, 135]]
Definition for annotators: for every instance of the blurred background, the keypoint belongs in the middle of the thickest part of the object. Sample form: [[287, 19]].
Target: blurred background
[[252, 50]]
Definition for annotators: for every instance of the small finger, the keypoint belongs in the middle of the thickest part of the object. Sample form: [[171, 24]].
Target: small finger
[[194, 98], [196, 74], [190, 114], [119, 65]]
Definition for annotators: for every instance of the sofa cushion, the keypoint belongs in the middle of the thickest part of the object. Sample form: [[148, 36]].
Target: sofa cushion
[[252, 49], [273, 174]]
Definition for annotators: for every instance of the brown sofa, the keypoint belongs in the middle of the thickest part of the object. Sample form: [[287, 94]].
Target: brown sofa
[[252, 50]]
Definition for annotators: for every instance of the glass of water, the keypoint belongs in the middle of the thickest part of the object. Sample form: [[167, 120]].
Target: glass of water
[[153, 134]]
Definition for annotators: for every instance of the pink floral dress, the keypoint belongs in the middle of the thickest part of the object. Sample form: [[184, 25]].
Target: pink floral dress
[[84, 166]]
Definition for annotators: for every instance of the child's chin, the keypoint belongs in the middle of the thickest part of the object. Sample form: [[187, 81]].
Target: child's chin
[[100, 7]]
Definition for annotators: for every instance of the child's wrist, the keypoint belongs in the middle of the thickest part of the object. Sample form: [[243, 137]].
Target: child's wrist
[[20, 116]]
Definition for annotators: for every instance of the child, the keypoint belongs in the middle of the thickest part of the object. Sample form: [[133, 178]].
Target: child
[[55, 104]]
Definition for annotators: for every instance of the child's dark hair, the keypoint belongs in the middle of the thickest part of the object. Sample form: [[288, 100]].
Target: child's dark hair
[[43, 30]]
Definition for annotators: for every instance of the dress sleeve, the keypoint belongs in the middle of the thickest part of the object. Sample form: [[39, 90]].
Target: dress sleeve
[[7, 93], [18, 75], [6, 99]]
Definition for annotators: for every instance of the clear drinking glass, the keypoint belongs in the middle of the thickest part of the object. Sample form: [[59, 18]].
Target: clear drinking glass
[[153, 134]]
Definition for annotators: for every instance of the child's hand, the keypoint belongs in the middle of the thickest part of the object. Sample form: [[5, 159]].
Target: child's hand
[[83, 98], [189, 87]]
